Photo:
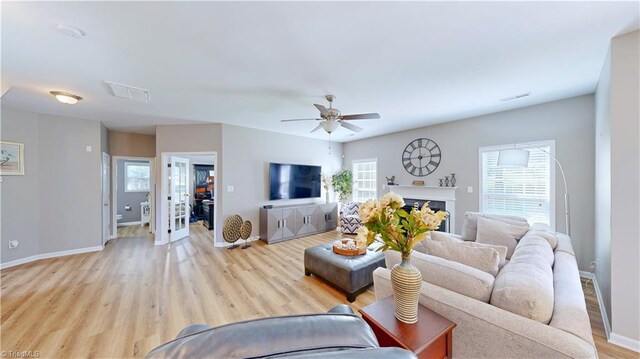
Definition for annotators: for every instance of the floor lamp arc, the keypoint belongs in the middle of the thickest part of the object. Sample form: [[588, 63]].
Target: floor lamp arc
[[519, 157]]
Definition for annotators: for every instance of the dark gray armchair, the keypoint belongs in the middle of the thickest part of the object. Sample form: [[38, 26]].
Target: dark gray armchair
[[338, 333]]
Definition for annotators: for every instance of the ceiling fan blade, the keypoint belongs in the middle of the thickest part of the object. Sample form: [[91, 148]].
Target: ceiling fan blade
[[351, 127], [302, 119], [316, 129], [322, 109], [361, 116]]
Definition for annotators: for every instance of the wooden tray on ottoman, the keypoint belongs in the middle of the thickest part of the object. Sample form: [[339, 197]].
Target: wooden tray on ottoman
[[349, 252]]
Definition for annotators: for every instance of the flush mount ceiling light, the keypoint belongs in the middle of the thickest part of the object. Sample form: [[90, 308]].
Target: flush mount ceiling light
[[71, 31], [65, 97]]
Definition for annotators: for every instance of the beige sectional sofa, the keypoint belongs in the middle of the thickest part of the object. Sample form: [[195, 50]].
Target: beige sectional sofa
[[533, 308]]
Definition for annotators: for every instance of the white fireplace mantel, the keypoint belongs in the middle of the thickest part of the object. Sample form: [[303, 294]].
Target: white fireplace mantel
[[431, 193]]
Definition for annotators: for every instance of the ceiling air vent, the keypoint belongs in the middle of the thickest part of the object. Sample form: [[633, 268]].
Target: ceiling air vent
[[522, 95], [128, 92]]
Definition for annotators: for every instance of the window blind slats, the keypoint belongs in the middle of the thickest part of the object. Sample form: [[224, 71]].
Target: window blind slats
[[524, 192]]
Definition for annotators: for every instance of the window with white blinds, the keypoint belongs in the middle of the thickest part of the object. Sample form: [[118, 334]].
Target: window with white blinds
[[528, 192], [364, 180]]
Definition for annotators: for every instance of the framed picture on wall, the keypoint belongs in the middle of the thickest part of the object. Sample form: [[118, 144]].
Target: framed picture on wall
[[11, 158]]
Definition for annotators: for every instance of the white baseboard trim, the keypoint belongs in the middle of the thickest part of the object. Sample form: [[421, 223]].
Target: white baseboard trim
[[127, 224], [603, 311], [625, 342], [50, 255]]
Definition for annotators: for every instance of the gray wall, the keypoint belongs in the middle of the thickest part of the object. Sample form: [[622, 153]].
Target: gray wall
[[133, 199], [625, 186], [569, 122], [56, 206], [70, 203], [602, 232], [247, 153], [20, 194], [131, 144]]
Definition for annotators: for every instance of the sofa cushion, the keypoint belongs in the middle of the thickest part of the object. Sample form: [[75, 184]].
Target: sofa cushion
[[470, 226], [451, 275], [456, 239], [564, 244], [483, 258], [534, 244], [545, 231], [491, 231], [525, 287], [569, 308]]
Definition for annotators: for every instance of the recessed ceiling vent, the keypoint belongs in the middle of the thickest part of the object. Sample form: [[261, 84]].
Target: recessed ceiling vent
[[128, 92], [516, 97]]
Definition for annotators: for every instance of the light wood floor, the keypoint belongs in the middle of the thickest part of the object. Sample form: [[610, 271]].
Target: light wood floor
[[132, 296]]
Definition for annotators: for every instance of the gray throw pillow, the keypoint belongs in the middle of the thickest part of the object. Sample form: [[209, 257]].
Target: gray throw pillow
[[491, 231]]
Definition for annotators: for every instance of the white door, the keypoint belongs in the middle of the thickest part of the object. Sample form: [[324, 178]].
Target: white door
[[179, 198], [106, 198]]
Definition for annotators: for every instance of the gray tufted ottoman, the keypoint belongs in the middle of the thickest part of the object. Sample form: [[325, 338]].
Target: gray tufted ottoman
[[351, 274]]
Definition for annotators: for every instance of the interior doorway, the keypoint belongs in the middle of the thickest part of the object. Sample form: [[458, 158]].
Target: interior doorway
[[133, 193], [106, 199], [188, 201]]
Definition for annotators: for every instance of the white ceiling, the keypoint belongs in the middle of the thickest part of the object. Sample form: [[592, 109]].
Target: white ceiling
[[253, 64]]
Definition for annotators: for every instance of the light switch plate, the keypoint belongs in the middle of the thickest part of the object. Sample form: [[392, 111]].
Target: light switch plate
[[89, 148], [230, 188], [469, 189]]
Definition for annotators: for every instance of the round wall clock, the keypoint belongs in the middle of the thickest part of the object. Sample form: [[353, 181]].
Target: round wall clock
[[421, 157]]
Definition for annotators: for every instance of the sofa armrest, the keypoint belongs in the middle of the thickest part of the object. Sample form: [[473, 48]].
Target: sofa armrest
[[272, 337], [487, 331]]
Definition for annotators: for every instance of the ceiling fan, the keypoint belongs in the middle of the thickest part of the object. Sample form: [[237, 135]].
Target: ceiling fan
[[331, 118]]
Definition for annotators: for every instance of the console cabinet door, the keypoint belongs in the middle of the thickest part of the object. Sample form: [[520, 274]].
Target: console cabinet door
[[327, 216], [288, 223], [306, 220], [274, 225]]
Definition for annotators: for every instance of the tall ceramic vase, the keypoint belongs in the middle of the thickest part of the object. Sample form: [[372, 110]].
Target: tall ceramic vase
[[406, 281]]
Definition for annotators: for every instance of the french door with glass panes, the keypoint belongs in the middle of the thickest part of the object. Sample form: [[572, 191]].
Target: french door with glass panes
[[178, 199]]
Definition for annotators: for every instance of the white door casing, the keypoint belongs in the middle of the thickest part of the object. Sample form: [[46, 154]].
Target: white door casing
[[178, 200], [106, 199]]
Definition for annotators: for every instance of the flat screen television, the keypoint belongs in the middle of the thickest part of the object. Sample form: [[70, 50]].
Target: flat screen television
[[289, 181]]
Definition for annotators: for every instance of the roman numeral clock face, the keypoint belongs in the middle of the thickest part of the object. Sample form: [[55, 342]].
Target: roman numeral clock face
[[421, 157]]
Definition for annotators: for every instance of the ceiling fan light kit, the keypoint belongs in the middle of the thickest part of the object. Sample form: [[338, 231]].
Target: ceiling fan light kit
[[332, 118]]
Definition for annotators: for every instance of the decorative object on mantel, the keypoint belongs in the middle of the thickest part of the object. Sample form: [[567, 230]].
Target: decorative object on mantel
[[453, 179], [11, 158], [343, 184], [391, 181], [441, 182], [421, 157], [326, 184], [349, 247], [231, 230], [418, 183], [245, 233], [446, 181], [390, 225]]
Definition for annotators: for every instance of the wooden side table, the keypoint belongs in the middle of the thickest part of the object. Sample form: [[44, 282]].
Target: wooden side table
[[430, 337]]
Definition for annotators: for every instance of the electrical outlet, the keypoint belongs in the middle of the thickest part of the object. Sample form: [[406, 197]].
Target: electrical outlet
[[230, 189], [469, 189], [13, 244]]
